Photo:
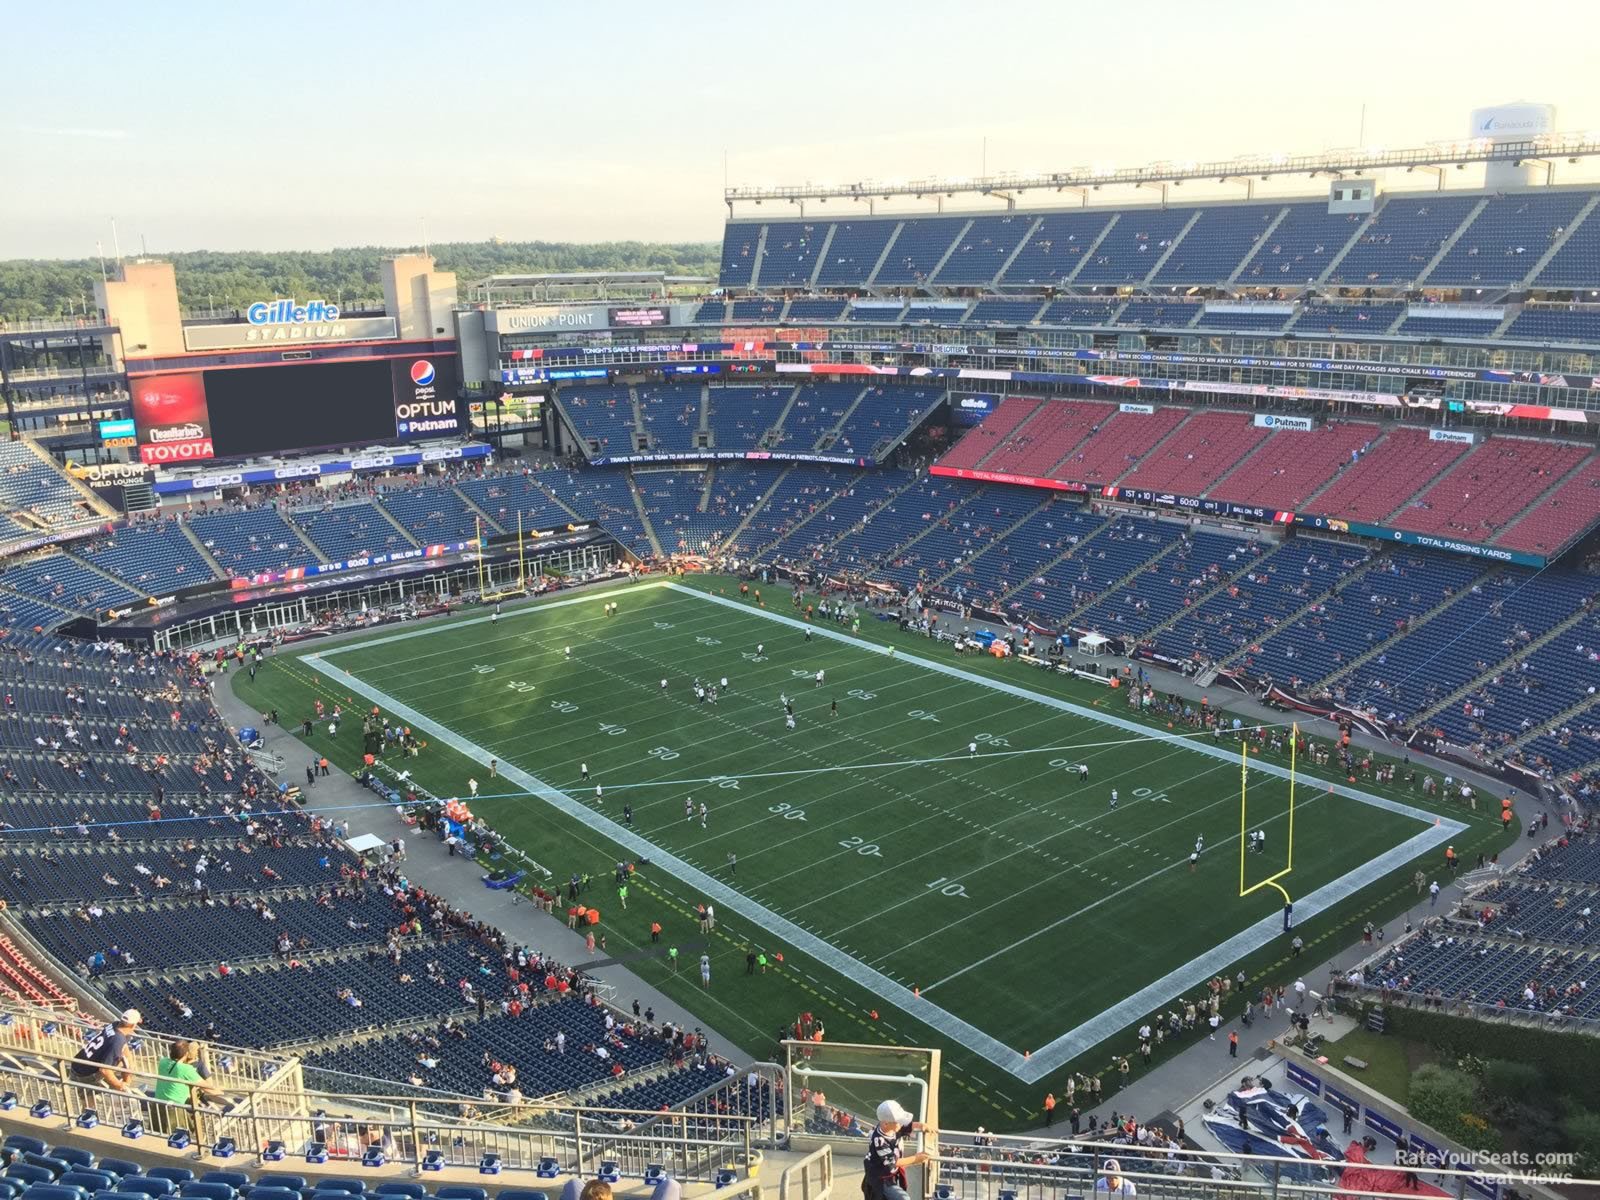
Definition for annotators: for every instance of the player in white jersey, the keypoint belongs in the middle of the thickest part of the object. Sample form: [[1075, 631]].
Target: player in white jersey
[[1113, 797]]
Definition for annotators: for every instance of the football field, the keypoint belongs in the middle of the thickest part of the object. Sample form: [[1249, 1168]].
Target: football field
[[932, 842]]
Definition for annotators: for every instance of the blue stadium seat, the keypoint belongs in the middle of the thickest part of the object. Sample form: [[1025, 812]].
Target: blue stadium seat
[[94, 1181], [398, 1188], [232, 1179], [24, 1144], [119, 1167], [460, 1191], [149, 1185], [202, 1190], [74, 1156], [278, 1179], [178, 1176], [55, 1191]]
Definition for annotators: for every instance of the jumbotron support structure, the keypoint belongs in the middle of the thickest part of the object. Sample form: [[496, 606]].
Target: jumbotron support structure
[[1544, 149]]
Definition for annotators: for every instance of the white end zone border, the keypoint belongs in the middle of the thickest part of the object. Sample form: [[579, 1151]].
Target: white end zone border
[[1045, 1059]]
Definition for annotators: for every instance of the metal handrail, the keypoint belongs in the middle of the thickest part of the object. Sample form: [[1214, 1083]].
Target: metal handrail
[[1450, 153], [817, 1165]]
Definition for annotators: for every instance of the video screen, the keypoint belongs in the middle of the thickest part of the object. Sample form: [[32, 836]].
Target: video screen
[[263, 410], [196, 415]]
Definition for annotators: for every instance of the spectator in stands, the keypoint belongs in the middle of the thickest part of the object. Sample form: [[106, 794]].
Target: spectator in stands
[[100, 1063], [884, 1165], [182, 1075]]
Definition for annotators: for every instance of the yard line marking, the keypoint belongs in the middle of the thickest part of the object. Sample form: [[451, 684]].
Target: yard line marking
[[875, 982]]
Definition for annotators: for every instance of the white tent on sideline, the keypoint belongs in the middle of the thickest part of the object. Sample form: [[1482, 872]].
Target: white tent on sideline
[[1093, 643]]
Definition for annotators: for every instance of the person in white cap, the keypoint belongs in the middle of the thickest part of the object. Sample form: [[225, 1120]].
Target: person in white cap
[[1111, 1183], [104, 1055], [884, 1166]]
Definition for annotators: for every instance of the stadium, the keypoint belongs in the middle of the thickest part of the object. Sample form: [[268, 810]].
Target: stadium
[[1006, 649]]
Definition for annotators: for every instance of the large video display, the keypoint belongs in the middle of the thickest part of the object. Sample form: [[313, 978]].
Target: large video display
[[196, 415]]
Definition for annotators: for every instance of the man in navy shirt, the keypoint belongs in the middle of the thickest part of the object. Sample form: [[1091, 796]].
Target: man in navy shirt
[[104, 1054], [883, 1164]]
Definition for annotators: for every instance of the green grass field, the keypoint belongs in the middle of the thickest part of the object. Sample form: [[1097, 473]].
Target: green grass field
[[988, 902]]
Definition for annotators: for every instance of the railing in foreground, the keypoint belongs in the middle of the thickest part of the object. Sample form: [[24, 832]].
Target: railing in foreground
[[693, 1147], [987, 1167]]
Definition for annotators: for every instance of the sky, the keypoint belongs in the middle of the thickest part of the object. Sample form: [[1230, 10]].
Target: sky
[[351, 122]]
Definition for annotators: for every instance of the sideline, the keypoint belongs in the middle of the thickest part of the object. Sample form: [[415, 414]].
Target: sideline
[[1029, 1067]]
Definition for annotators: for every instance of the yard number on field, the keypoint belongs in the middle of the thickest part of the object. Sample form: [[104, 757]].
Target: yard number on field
[[482, 669], [868, 848], [858, 694], [564, 706], [921, 714], [664, 753], [787, 811], [516, 685], [610, 730], [947, 887]]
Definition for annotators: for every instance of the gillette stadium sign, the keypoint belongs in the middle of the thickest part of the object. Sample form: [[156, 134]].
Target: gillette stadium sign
[[286, 322]]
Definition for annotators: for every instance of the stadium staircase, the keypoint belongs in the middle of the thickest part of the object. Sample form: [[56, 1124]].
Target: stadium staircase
[[105, 574], [1393, 327], [639, 429], [1355, 239], [997, 540], [928, 527], [1579, 468], [1150, 455], [831, 434], [772, 437], [705, 491], [881, 450], [1088, 255], [1501, 665], [1387, 643], [843, 533], [205, 555], [638, 506], [704, 432], [1012, 257], [1589, 704], [1172, 248], [822, 254], [1556, 244], [760, 256], [1264, 240], [1003, 442], [1127, 580], [1211, 488], [759, 505], [933, 275], [488, 521], [388, 516], [1449, 243], [85, 493], [883, 256], [1045, 569], [1513, 311], [1345, 580]]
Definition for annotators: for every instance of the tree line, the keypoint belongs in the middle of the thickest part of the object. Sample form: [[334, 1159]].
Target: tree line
[[207, 279]]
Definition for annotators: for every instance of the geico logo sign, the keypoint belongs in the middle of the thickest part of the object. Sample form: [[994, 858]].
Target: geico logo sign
[[296, 472], [430, 408]]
